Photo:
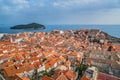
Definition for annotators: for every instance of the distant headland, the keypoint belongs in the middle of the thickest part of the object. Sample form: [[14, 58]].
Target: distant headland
[[33, 26]]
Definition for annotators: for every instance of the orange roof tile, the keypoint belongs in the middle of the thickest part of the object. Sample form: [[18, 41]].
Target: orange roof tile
[[73, 53], [29, 68], [34, 58], [26, 63], [46, 54], [85, 78], [50, 57], [70, 74], [18, 65], [7, 64], [57, 73], [26, 55], [10, 71], [20, 69], [56, 54], [47, 78], [1, 51], [18, 57], [50, 63], [5, 56], [62, 77], [37, 64], [62, 59], [67, 63]]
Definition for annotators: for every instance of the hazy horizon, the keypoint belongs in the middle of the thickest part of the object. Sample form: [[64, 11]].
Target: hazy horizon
[[11, 25]]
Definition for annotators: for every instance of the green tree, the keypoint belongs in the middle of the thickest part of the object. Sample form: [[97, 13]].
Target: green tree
[[49, 74], [35, 75], [80, 70], [44, 59]]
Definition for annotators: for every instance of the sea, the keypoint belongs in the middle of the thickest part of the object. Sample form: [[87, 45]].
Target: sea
[[113, 30]]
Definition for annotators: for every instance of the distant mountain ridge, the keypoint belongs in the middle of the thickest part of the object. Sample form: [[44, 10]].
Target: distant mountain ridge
[[33, 26]]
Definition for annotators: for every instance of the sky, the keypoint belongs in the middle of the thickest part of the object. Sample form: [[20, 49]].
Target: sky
[[60, 11]]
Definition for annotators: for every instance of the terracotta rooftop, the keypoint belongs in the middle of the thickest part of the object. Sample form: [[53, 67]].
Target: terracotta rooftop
[[57, 73], [47, 78], [50, 64], [70, 74], [62, 77], [7, 64], [29, 68], [28, 55], [67, 63], [85, 78]]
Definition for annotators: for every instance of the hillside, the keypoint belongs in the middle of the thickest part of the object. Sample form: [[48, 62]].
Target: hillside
[[112, 38], [33, 26]]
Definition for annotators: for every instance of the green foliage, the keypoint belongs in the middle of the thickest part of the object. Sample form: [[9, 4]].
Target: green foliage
[[95, 40], [35, 75], [49, 74], [80, 67], [44, 59], [29, 26]]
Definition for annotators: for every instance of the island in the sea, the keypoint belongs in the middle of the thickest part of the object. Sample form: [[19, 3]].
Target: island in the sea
[[33, 26]]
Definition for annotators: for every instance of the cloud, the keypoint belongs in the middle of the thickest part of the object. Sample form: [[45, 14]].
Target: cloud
[[59, 11], [6, 8], [13, 6], [69, 5], [86, 4], [73, 3], [20, 4]]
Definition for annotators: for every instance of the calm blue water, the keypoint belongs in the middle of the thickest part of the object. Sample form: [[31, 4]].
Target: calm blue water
[[113, 30]]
